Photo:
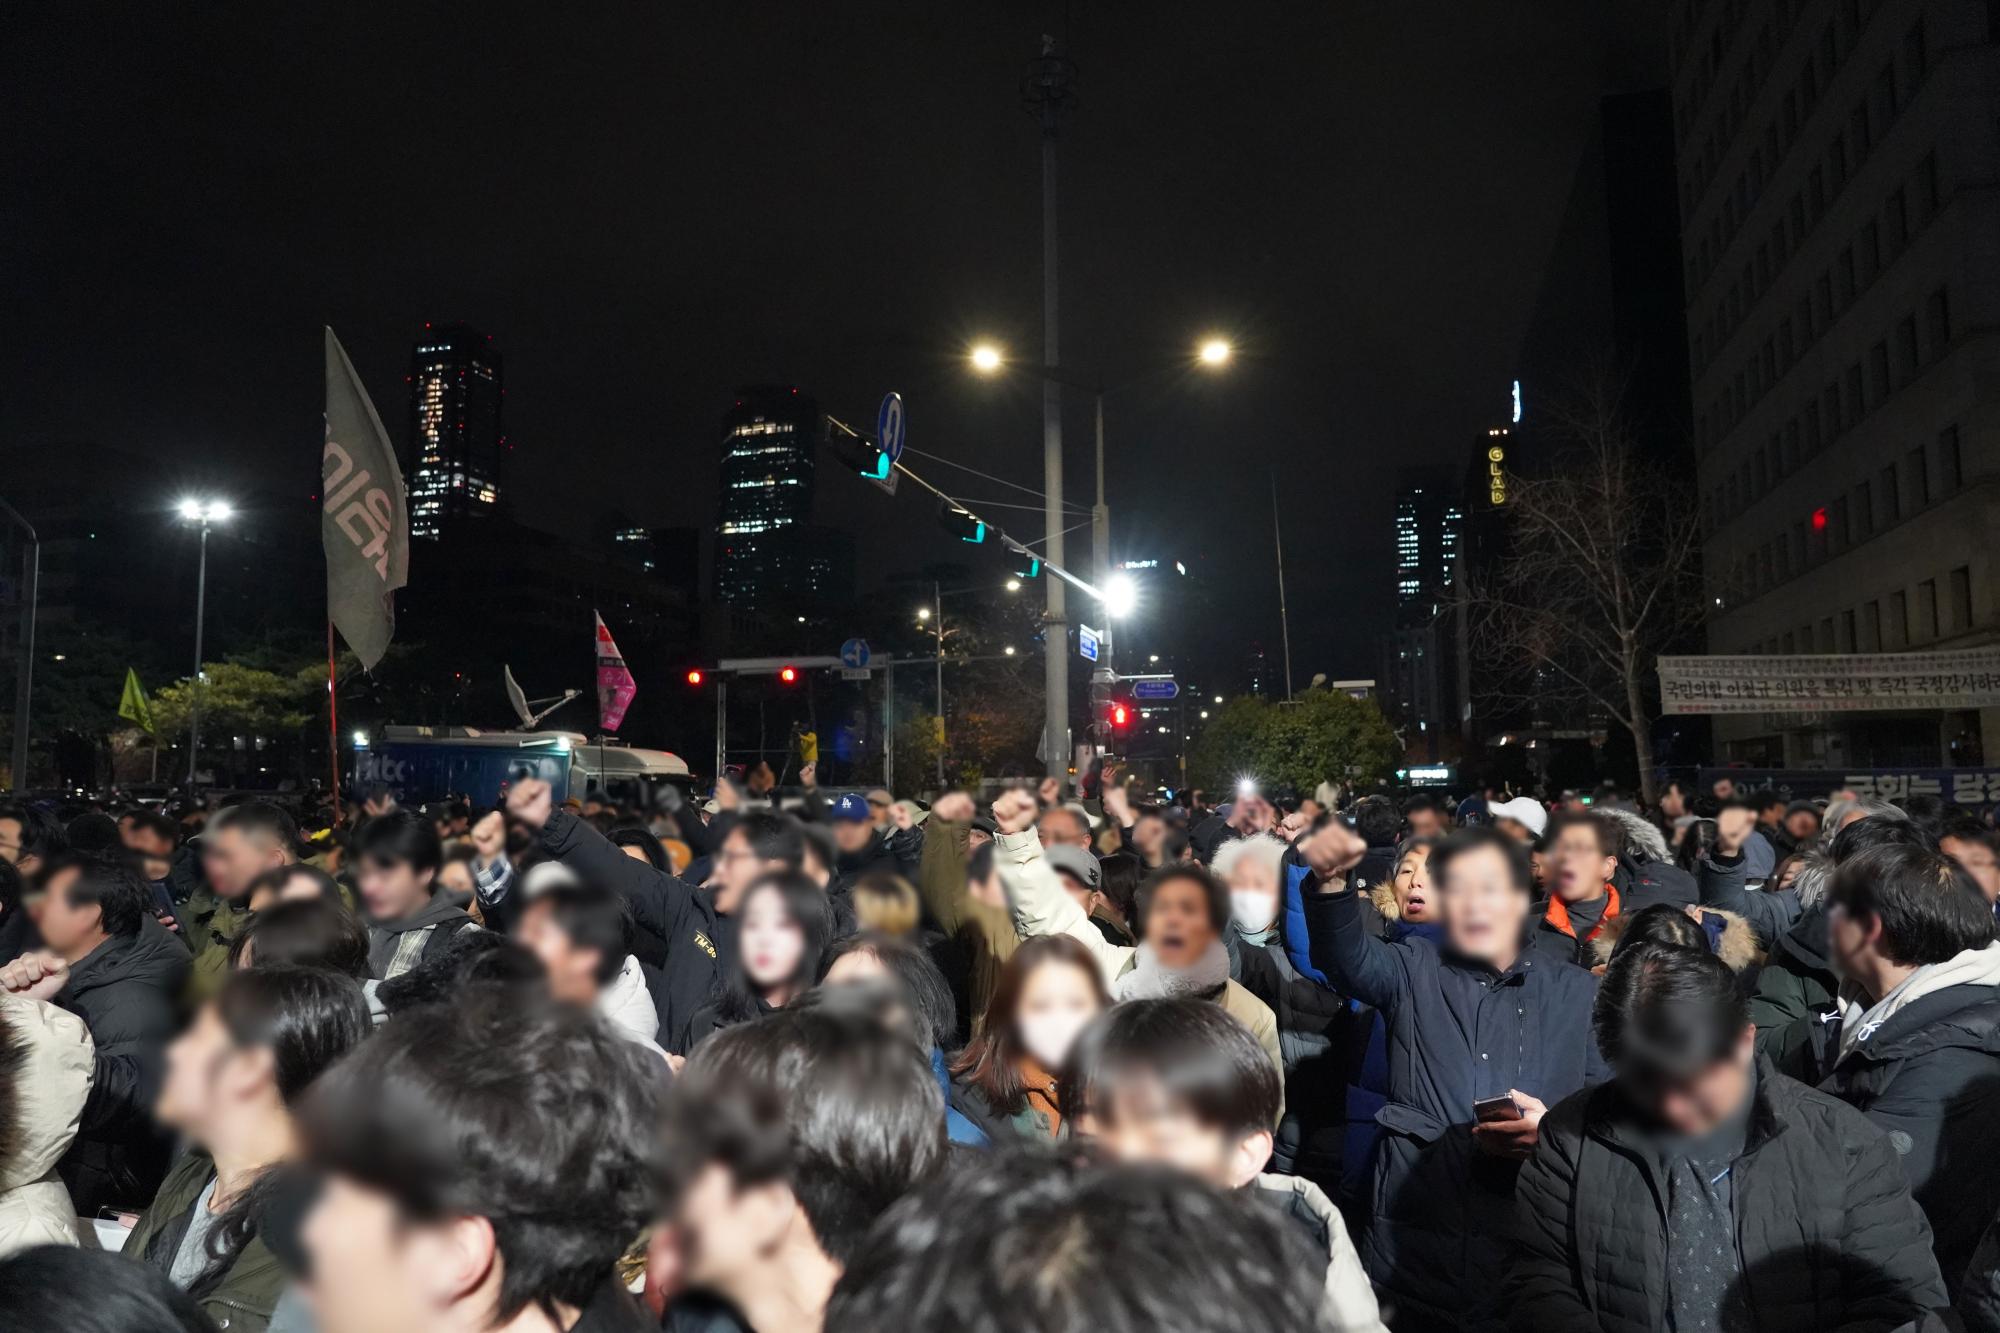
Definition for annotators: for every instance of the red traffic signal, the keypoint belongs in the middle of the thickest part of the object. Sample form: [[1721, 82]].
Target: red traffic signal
[[789, 675], [694, 676], [1121, 714]]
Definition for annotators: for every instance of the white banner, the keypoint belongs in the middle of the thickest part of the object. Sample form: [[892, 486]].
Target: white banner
[[1834, 683]]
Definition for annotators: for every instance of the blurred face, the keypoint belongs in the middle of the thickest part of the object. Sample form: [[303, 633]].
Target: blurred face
[[1579, 865], [10, 845], [770, 942], [1178, 926], [976, 838], [1147, 835], [67, 929], [1705, 1101], [1673, 802], [1253, 893], [1978, 861], [1083, 896], [878, 811], [572, 971], [1803, 825], [232, 857], [856, 965], [1515, 829], [1847, 938], [1425, 823], [391, 890], [1062, 826], [375, 1272], [634, 851], [989, 890], [1723, 790], [1483, 910], [1057, 1002], [853, 835], [1146, 1126], [455, 877], [1415, 899], [155, 852], [725, 1230], [737, 867], [206, 1074]]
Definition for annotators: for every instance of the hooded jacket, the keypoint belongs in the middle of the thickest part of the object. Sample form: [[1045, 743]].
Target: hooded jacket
[[394, 947], [979, 938], [1457, 1031], [1350, 1302], [46, 1061], [663, 904], [1796, 981], [1826, 1232], [125, 991], [1923, 1065], [1041, 907]]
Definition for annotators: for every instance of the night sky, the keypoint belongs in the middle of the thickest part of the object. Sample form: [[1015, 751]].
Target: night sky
[[647, 205]]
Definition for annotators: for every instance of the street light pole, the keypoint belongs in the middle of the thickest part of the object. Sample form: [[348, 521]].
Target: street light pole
[[1048, 94], [937, 600], [194, 695], [24, 677], [207, 513]]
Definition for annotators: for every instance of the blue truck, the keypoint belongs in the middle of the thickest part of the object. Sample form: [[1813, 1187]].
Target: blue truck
[[423, 764]]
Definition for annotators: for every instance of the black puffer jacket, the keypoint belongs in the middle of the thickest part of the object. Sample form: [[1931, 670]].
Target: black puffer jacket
[[1321, 1038], [125, 991], [1826, 1231], [1979, 1297], [1929, 1078]]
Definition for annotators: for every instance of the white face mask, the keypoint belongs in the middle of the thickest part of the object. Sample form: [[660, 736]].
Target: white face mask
[[1254, 911], [1048, 1037]]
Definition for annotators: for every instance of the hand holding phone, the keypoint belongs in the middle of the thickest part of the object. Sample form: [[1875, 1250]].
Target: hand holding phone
[[1488, 1110]]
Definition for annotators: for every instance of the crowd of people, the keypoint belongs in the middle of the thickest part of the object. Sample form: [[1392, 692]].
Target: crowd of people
[[818, 1060]]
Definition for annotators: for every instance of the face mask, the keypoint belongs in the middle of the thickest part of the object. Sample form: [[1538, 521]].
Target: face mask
[[1254, 912], [1048, 1037]]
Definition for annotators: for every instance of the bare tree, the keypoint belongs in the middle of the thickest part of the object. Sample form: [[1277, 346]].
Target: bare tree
[[1600, 574]]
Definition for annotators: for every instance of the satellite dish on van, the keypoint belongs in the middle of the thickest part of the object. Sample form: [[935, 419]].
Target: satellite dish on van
[[524, 708]]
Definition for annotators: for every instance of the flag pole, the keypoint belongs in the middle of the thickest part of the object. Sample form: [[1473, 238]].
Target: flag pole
[[332, 722]]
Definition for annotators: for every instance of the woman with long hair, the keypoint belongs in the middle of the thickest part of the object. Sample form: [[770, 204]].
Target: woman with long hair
[[1004, 1081], [785, 924]]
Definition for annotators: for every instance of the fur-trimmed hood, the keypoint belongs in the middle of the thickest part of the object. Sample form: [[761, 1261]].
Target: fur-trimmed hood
[[1730, 936], [1642, 839]]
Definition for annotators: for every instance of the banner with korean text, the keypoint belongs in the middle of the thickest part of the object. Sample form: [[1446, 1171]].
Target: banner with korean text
[[1831, 683]]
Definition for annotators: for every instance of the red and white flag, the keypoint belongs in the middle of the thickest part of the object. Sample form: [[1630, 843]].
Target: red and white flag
[[615, 686]]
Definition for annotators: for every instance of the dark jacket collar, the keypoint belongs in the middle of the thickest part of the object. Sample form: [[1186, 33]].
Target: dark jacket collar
[[1612, 1118]]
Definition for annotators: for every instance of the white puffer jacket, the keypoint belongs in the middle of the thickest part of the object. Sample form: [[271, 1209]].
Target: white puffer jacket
[[45, 1072]]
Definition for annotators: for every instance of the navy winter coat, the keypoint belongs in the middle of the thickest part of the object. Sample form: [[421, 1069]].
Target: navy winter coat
[[1458, 1031]]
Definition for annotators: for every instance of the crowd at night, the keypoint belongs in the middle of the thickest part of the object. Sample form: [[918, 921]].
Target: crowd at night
[[1098, 668]]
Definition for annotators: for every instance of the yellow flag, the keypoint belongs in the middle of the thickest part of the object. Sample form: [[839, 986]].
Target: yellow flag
[[132, 706], [808, 747]]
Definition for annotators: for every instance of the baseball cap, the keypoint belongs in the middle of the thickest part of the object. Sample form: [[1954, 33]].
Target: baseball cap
[[1523, 810], [851, 807], [1076, 862]]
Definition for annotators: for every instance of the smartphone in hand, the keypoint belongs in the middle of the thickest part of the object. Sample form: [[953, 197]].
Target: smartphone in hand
[[1487, 1110]]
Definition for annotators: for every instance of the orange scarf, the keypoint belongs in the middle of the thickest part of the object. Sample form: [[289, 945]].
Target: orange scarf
[[1040, 1086], [1558, 914]]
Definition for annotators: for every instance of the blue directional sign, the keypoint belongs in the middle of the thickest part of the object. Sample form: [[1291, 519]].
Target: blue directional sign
[[1086, 642], [1155, 689], [890, 427], [854, 654]]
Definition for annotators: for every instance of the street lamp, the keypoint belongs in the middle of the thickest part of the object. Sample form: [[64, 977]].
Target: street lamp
[[986, 358], [1214, 352], [207, 513], [1013, 585], [923, 613]]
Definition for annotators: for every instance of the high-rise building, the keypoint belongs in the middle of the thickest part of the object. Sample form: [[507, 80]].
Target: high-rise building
[[1429, 518], [1416, 673], [454, 466], [768, 552], [1843, 309]]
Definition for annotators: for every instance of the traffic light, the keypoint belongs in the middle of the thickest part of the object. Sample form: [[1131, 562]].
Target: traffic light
[[695, 676], [789, 675], [1122, 712], [961, 524], [859, 451], [1027, 567]]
